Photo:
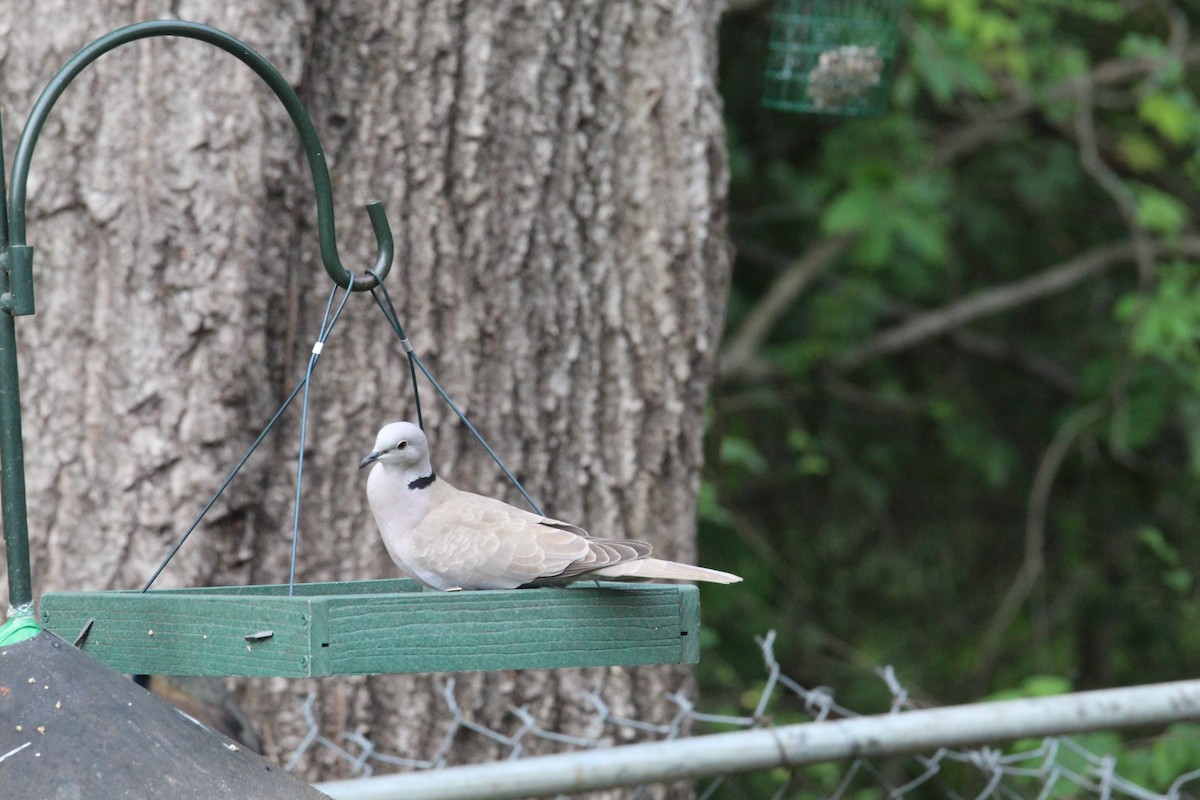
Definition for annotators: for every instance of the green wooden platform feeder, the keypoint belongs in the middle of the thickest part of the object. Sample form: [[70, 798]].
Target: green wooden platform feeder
[[831, 56], [298, 629]]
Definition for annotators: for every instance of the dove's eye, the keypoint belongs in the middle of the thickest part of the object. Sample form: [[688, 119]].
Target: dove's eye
[[402, 445]]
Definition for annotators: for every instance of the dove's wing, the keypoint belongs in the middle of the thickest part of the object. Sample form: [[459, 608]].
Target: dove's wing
[[601, 553], [475, 542]]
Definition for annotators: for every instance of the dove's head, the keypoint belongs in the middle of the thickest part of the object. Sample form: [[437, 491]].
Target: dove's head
[[400, 445]]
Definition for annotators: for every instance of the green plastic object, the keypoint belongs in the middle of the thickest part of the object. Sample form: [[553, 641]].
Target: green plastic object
[[18, 629], [382, 626], [832, 56]]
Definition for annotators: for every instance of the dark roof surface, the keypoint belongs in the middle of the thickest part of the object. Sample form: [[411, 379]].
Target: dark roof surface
[[70, 727]]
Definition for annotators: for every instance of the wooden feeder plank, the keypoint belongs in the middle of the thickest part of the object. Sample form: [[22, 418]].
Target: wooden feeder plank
[[171, 633], [373, 627]]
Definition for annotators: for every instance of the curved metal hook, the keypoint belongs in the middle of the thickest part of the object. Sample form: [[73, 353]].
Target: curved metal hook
[[283, 90]]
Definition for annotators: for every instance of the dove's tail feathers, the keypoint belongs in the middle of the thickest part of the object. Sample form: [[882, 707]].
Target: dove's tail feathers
[[649, 569]]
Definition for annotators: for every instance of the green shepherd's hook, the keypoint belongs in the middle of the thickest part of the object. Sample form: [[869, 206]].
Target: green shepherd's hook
[[16, 261], [287, 95]]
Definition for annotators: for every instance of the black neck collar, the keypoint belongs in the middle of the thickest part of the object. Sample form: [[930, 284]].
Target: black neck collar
[[424, 482]]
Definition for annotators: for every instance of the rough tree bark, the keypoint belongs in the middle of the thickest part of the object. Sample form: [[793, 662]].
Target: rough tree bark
[[555, 177]]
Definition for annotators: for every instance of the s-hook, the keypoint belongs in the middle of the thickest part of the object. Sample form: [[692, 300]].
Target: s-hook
[[16, 257]]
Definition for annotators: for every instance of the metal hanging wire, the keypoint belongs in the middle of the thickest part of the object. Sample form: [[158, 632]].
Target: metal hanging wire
[[383, 300], [225, 484], [326, 328], [327, 324], [393, 319], [414, 361]]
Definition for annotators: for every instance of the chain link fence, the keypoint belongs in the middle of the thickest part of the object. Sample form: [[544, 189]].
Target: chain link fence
[[1002, 750]]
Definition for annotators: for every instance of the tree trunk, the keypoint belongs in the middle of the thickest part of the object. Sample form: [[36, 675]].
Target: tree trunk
[[555, 178]]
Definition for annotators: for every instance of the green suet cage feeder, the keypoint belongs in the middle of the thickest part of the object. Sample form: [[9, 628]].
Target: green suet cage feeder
[[831, 56]]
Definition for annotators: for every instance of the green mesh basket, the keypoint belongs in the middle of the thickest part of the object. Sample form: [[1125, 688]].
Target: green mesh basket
[[831, 56]]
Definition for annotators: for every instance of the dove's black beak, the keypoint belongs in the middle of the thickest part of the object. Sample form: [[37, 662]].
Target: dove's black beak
[[370, 459]]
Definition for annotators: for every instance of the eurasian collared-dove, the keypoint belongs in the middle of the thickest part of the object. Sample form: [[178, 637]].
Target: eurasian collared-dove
[[450, 539]]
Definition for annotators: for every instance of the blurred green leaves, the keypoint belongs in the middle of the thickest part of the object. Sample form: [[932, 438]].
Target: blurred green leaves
[[890, 213], [879, 512], [1172, 114], [1164, 324]]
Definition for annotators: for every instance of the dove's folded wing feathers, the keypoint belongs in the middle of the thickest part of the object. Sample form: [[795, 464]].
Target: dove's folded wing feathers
[[603, 553], [531, 517], [481, 542]]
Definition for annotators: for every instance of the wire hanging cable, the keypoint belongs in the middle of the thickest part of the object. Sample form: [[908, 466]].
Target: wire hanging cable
[[225, 484], [394, 319], [389, 313], [326, 327], [388, 309]]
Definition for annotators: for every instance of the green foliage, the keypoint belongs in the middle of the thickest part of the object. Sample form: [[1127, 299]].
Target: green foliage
[[1164, 325], [879, 510], [1034, 686], [1175, 576], [1160, 212], [888, 215], [1172, 115], [1166, 758]]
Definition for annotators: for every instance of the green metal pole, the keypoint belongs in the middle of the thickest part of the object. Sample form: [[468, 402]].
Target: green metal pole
[[16, 261], [12, 456], [3, 193]]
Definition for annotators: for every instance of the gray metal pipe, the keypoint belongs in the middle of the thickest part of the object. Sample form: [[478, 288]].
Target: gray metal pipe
[[792, 745]]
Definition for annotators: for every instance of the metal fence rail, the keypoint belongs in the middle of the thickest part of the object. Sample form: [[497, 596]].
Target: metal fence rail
[[789, 746], [931, 740]]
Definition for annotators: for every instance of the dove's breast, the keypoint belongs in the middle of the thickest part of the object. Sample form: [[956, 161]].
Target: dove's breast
[[398, 511]]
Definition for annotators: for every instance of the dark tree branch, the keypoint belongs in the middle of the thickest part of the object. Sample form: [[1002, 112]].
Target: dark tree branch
[[1046, 370], [970, 136], [1108, 180], [922, 327], [1034, 559], [741, 352]]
